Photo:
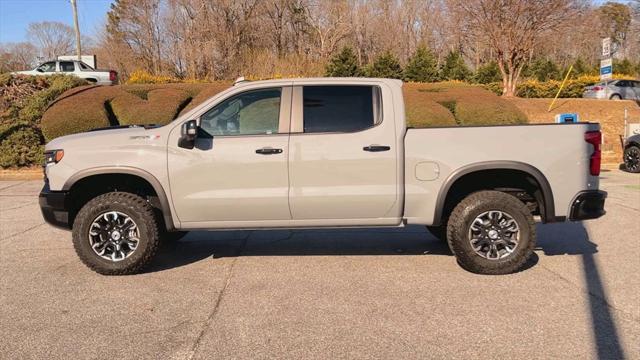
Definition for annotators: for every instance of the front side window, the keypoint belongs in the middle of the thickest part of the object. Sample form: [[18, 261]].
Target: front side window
[[254, 112], [66, 66], [47, 67], [340, 108]]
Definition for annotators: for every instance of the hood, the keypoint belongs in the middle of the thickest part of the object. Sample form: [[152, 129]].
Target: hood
[[109, 137]]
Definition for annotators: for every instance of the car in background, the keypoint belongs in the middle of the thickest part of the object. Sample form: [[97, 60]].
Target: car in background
[[631, 155], [614, 90], [74, 67]]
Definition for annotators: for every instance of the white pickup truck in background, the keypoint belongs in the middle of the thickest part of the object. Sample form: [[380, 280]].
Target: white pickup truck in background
[[74, 67], [310, 153]]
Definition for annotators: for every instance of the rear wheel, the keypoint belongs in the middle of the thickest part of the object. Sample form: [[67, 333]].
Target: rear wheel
[[615, 97], [491, 232], [116, 233], [632, 159]]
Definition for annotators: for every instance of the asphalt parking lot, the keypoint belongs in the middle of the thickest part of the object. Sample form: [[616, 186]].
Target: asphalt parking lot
[[395, 293]]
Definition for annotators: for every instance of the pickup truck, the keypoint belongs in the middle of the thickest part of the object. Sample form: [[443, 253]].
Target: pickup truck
[[318, 153], [76, 68]]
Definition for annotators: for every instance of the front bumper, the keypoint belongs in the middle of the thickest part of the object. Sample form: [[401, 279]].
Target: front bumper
[[54, 207], [588, 205]]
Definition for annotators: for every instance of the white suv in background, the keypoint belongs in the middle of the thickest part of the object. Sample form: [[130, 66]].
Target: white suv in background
[[74, 67]]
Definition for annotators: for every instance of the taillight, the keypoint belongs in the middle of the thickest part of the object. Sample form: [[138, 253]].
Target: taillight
[[597, 88], [594, 138], [113, 75]]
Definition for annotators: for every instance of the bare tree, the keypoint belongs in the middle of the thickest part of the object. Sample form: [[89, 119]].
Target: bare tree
[[137, 26], [513, 28], [17, 56], [53, 38]]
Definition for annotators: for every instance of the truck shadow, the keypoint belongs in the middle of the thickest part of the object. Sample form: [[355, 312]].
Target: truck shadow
[[573, 239], [197, 246], [553, 240]]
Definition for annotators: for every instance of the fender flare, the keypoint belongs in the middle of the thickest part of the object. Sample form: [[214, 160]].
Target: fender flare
[[126, 170], [548, 206]]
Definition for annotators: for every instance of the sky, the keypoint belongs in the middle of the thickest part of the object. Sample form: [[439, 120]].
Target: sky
[[16, 15]]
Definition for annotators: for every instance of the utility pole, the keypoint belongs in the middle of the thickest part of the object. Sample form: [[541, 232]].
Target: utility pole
[[77, 29]]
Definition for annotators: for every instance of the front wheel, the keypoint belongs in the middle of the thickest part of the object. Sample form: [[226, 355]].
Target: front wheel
[[491, 232], [116, 233], [632, 159], [615, 97]]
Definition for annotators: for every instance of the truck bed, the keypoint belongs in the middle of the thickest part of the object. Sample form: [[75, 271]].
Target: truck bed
[[433, 156]]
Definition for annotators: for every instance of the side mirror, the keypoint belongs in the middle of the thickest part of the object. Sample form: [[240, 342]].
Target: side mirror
[[188, 133]]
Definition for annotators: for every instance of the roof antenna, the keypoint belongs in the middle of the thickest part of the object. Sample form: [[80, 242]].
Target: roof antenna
[[239, 80]]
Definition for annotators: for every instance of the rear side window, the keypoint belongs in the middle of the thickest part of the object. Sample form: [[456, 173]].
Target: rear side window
[[66, 66], [340, 108]]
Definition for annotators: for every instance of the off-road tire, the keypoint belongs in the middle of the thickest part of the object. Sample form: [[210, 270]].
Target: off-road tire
[[630, 152], [439, 232], [471, 207], [142, 214]]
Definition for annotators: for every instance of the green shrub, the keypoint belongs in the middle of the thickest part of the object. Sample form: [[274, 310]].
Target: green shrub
[[20, 145], [385, 66], [37, 104], [422, 67], [343, 64], [24, 100]]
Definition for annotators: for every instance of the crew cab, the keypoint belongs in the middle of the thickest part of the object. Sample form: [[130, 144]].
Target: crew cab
[[312, 153], [76, 68]]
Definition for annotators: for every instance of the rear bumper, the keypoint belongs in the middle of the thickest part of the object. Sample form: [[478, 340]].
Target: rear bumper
[[53, 205], [588, 205]]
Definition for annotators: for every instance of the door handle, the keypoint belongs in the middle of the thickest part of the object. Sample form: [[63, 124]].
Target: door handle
[[268, 151], [376, 148]]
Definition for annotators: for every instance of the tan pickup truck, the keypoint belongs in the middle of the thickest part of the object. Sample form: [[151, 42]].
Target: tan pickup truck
[[310, 153]]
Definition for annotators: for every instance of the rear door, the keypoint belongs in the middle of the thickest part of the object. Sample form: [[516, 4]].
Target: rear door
[[342, 155], [66, 66]]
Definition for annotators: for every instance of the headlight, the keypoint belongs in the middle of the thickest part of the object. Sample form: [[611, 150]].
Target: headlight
[[53, 156]]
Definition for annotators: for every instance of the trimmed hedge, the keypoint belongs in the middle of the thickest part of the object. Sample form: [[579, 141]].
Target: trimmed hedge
[[453, 103], [440, 104], [78, 111]]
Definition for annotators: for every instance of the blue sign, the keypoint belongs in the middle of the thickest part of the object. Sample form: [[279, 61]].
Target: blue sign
[[605, 70]]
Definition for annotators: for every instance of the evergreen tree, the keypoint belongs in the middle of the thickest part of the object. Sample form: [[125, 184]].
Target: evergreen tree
[[454, 67], [624, 67], [422, 67], [343, 64], [542, 70], [581, 68], [488, 73], [386, 66]]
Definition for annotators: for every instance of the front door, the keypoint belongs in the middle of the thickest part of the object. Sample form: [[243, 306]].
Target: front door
[[237, 171], [342, 156]]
